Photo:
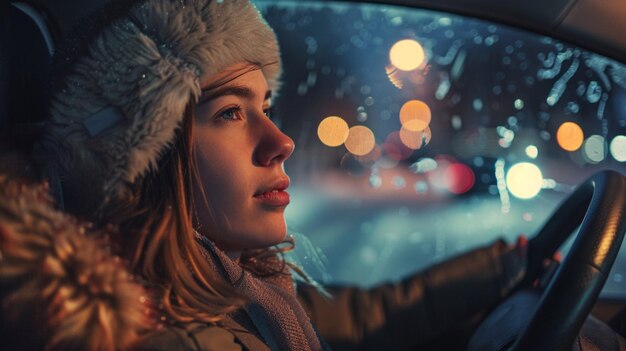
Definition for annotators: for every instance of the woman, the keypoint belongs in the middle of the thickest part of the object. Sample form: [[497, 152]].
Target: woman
[[159, 132]]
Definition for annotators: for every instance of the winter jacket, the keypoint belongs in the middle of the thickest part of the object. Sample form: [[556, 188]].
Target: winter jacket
[[60, 288], [420, 311]]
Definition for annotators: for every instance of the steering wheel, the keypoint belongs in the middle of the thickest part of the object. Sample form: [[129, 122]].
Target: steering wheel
[[551, 320]]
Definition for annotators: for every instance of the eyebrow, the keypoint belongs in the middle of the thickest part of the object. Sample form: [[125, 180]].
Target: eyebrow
[[236, 90]]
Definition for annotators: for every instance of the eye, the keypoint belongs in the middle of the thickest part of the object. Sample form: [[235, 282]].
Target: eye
[[230, 114]]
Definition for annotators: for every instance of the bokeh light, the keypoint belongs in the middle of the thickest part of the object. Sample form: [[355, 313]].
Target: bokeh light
[[398, 182], [415, 115], [394, 76], [420, 187], [411, 139], [415, 140], [618, 148], [594, 150], [423, 165], [385, 161], [524, 180], [459, 178], [570, 136], [407, 55], [436, 178], [532, 151], [333, 131], [360, 140]]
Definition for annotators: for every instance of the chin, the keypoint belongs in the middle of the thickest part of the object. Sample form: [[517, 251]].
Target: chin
[[257, 235], [274, 229], [275, 234]]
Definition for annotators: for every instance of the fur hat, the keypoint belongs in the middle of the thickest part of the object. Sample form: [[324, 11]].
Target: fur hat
[[125, 96]]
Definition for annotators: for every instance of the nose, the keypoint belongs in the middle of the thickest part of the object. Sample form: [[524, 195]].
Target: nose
[[274, 146]]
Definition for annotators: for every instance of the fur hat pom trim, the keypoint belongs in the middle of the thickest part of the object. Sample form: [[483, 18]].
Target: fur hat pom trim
[[59, 282]]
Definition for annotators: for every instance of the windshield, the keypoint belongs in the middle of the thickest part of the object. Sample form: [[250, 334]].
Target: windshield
[[420, 135]]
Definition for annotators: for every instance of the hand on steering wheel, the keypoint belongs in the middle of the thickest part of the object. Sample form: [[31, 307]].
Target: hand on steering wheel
[[548, 265], [551, 319]]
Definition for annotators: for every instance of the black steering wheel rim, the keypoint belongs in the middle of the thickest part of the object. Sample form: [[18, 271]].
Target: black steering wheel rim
[[570, 296]]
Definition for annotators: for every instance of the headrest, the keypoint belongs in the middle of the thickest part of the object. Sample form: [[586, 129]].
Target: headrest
[[26, 47]]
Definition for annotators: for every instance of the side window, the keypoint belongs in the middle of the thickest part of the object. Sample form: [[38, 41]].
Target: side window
[[423, 134]]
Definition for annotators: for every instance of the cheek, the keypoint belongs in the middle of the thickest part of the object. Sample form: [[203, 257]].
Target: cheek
[[216, 168], [226, 174]]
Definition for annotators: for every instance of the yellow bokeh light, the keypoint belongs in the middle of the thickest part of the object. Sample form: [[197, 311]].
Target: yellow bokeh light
[[570, 136], [360, 140], [414, 140], [407, 55], [333, 131], [415, 115], [524, 180]]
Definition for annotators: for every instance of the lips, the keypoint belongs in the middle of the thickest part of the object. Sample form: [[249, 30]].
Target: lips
[[274, 194]]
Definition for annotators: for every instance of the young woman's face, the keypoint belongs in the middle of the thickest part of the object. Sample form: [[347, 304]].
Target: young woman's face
[[240, 155]]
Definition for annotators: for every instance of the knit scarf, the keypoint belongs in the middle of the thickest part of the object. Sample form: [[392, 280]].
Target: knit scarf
[[273, 307]]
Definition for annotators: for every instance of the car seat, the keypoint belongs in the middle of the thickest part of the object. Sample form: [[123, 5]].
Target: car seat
[[26, 49]]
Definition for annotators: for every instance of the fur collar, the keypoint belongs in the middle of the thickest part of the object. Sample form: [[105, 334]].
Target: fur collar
[[60, 288]]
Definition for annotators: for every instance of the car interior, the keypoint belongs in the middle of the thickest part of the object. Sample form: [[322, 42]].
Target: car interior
[[367, 216]]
